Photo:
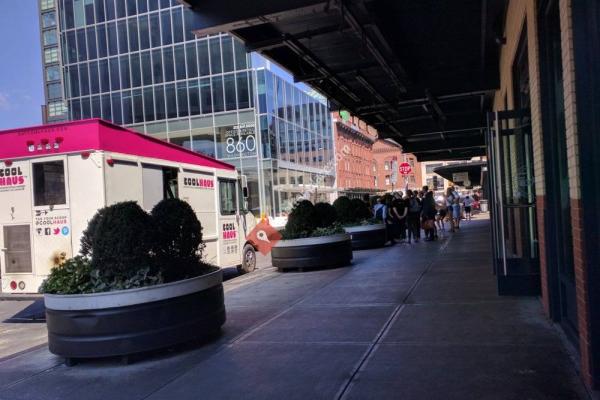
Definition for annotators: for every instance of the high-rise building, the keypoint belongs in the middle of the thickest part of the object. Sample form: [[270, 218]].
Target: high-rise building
[[137, 63], [55, 108]]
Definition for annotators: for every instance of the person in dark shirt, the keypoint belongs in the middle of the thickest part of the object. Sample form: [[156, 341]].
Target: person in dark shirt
[[400, 212], [413, 216], [428, 216], [389, 217]]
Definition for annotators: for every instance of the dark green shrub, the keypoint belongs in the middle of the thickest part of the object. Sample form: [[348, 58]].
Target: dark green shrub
[[361, 210], [178, 247], [301, 221], [87, 238], [140, 277], [333, 229], [74, 276], [122, 241], [124, 247], [326, 215], [344, 209]]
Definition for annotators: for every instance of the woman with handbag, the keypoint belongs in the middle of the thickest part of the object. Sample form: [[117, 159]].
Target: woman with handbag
[[428, 216]]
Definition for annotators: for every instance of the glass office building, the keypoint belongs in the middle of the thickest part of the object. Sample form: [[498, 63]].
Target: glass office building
[[137, 63]]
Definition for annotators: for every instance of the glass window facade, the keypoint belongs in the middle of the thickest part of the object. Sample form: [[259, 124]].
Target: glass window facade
[[46, 4], [50, 38], [56, 109], [50, 56], [135, 62], [48, 20]]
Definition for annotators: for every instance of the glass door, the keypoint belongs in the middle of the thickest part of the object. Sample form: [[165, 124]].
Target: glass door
[[514, 210]]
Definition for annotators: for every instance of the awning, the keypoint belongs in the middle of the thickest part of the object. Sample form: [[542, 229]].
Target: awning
[[422, 72], [463, 174]]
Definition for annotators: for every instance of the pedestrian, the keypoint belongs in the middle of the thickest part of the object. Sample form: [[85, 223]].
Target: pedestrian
[[455, 208], [428, 213], [389, 218], [379, 210], [413, 217], [468, 202], [419, 196], [400, 212], [442, 211], [450, 207]]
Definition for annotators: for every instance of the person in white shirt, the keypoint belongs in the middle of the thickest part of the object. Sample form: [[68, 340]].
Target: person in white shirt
[[452, 201]]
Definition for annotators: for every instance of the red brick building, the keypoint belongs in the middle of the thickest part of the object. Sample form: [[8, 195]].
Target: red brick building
[[354, 155], [386, 151]]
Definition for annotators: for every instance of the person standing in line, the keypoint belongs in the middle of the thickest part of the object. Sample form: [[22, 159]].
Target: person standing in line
[[442, 211], [389, 218], [428, 216], [400, 213], [425, 191], [413, 216], [450, 206], [379, 209], [456, 208], [468, 202], [419, 196]]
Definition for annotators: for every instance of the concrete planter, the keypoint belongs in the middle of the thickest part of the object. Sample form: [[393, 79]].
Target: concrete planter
[[367, 236], [125, 322], [310, 253]]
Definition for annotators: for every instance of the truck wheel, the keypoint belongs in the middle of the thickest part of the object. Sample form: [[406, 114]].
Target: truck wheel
[[248, 260]]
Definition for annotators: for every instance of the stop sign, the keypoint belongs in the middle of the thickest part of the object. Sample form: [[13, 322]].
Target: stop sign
[[405, 168]]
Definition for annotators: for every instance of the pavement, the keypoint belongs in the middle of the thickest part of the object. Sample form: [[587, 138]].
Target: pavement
[[420, 321], [20, 326]]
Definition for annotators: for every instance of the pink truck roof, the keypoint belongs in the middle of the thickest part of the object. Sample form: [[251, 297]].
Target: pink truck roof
[[95, 134]]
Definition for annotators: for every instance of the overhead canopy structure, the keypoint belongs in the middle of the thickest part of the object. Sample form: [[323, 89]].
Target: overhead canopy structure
[[422, 72], [458, 174]]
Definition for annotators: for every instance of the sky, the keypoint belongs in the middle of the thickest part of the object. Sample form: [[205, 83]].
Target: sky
[[21, 80]]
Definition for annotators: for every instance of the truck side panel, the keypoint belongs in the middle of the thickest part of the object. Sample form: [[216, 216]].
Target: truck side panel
[[198, 189], [86, 175], [123, 182]]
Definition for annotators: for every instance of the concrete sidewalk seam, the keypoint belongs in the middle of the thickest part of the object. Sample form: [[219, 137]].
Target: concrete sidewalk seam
[[20, 353], [240, 337]]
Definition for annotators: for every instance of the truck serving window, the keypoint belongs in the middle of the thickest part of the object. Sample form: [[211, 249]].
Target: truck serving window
[[49, 183], [227, 196]]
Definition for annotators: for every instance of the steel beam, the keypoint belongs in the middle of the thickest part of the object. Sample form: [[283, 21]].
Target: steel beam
[[214, 16], [433, 146]]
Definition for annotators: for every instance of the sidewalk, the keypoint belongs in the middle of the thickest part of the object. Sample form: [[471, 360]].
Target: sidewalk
[[405, 322], [16, 334]]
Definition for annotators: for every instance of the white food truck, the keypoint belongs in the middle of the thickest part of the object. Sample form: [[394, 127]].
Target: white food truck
[[53, 179]]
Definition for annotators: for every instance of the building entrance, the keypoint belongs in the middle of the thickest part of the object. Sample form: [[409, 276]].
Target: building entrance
[[513, 203]]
